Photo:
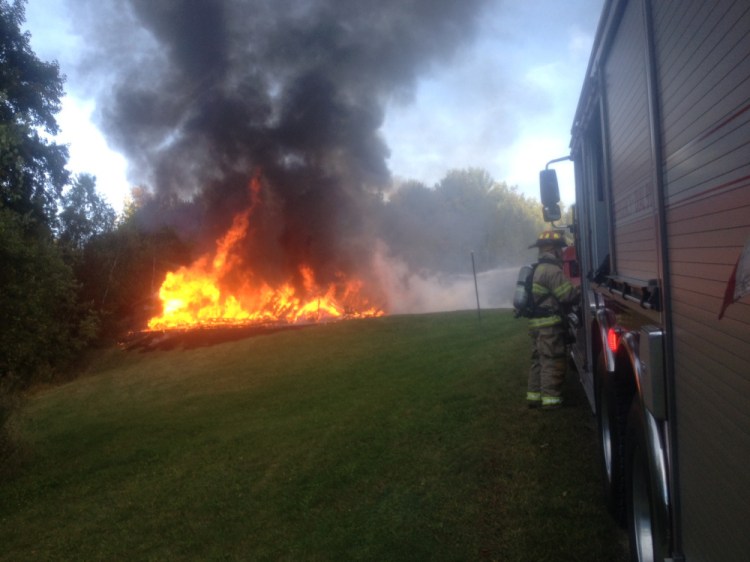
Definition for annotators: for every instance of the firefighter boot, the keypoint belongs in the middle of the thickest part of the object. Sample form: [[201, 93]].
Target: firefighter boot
[[534, 399]]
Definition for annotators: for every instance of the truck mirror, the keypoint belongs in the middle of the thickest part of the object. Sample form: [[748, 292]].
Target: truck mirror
[[551, 213], [548, 188]]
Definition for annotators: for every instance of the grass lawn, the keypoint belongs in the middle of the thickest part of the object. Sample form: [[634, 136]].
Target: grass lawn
[[395, 438]]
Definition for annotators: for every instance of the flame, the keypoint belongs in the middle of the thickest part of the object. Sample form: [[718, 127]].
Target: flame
[[193, 296]]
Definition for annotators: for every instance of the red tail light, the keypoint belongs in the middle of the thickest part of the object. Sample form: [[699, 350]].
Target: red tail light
[[613, 340]]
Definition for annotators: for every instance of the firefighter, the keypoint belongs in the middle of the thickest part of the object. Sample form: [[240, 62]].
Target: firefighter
[[552, 293]]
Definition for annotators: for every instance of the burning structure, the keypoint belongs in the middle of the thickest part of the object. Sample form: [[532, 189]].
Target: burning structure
[[256, 124]]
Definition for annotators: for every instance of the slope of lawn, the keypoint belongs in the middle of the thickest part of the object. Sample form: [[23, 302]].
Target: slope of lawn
[[396, 438]]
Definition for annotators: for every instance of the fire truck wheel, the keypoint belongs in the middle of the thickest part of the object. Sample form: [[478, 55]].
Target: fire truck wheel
[[612, 426], [646, 522]]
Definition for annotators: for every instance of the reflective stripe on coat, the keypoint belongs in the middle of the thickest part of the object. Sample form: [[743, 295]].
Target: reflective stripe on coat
[[550, 288]]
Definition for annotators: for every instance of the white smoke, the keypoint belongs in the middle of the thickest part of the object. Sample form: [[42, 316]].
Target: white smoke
[[410, 292]]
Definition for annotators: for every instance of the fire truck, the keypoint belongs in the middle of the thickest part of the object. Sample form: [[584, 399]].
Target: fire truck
[[661, 150]]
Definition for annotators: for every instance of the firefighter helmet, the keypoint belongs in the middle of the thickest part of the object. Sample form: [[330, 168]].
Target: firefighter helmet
[[550, 238]]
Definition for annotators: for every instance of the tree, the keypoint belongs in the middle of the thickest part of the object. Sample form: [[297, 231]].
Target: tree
[[467, 211], [460, 188], [517, 223], [121, 269], [32, 168], [408, 225], [43, 323], [469, 214], [84, 214]]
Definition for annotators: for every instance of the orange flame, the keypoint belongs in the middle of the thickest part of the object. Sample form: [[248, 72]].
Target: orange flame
[[193, 296]]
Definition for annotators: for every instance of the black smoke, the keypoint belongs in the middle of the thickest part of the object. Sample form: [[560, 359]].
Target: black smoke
[[201, 95]]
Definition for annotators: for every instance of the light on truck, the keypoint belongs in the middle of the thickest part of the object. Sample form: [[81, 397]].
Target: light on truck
[[613, 340]]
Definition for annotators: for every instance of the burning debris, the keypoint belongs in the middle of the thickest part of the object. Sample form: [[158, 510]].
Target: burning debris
[[224, 290]]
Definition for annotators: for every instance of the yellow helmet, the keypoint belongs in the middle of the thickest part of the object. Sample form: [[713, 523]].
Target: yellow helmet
[[550, 238]]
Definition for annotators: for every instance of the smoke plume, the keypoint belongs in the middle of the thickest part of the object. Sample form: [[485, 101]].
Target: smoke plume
[[202, 95], [413, 292]]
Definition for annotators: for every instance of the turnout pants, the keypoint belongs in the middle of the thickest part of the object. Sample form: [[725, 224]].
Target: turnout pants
[[548, 366]]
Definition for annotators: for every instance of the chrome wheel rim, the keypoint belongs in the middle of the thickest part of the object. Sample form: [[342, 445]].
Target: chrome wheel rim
[[606, 438], [642, 522]]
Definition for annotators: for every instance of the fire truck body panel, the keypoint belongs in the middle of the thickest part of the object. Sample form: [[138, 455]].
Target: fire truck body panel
[[661, 145]]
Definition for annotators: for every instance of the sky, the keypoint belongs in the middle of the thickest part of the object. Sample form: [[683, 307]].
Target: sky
[[504, 102]]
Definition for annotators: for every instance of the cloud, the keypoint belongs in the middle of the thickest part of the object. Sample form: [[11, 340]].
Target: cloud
[[93, 157], [506, 100]]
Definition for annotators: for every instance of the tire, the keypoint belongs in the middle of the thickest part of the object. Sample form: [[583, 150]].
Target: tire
[[646, 517], [613, 402]]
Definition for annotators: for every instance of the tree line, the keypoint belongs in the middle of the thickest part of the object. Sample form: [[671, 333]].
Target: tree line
[[437, 228], [76, 273]]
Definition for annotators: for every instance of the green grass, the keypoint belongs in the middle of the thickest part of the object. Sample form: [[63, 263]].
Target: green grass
[[397, 438]]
